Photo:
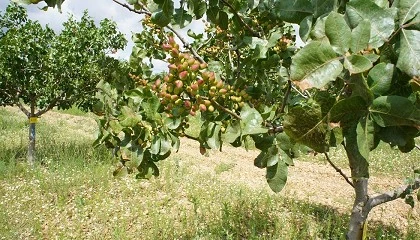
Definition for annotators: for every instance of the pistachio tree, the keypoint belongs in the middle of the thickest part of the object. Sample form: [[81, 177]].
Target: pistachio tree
[[354, 83], [40, 69]]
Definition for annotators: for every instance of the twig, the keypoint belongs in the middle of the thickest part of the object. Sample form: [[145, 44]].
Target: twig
[[186, 44], [144, 11], [191, 137], [254, 33], [338, 170], [182, 39], [238, 65], [392, 195], [223, 108], [286, 97], [417, 146]]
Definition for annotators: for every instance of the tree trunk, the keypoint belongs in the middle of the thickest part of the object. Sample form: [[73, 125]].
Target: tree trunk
[[359, 213], [360, 174], [31, 146]]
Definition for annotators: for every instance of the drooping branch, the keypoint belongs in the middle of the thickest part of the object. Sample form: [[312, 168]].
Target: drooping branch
[[254, 33], [146, 11], [392, 195], [338, 170]]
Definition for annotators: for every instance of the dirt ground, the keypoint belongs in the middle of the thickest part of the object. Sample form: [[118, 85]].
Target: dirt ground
[[307, 181]]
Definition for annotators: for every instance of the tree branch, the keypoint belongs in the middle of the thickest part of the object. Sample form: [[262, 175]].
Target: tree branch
[[286, 97], [144, 11], [338, 170], [182, 39], [23, 109], [233, 114], [191, 137], [254, 33], [392, 195]]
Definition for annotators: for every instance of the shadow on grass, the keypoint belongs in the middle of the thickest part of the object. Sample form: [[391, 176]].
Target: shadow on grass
[[254, 219]]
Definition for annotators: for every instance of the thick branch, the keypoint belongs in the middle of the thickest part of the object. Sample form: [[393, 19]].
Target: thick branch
[[338, 170], [182, 39], [23, 109], [392, 195], [254, 33]]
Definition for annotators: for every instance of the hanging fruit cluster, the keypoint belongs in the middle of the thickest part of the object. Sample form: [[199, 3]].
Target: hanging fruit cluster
[[189, 87]]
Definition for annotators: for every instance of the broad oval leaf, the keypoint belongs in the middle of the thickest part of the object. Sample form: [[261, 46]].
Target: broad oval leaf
[[409, 52], [357, 64], [360, 36], [380, 78], [277, 176], [338, 32], [382, 20], [315, 65], [394, 111]]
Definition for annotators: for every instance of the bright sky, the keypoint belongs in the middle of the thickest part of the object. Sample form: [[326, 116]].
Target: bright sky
[[127, 21]]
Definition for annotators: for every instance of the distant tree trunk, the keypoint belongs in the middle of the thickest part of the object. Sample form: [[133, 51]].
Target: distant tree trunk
[[31, 146]]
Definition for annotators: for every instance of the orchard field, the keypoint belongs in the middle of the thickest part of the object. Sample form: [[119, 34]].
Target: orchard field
[[71, 193]]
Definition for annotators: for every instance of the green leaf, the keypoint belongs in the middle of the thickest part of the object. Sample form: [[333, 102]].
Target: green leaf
[[161, 19], [128, 117], [365, 136], [251, 122], [292, 11], [322, 7], [306, 125], [380, 78], [357, 64], [233, 131], [338, 32], [181, 17], [399, 135], [394, 111], [305, 28], [407, 10], [147, 169], [277, 176], [360, 36], [409, 52], [260, 46], [382, 20], [199, 8], [151, 107], [359, 87], [348, 109], [315, 66], [213, 140], [173, 123]]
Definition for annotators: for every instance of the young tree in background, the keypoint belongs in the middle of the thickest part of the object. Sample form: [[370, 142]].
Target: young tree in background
[[40, 70]]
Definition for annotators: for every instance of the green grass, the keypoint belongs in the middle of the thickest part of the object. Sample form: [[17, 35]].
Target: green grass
[[72, 195]]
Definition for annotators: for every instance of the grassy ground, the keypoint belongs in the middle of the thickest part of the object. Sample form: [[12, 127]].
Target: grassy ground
[[73, 195]]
